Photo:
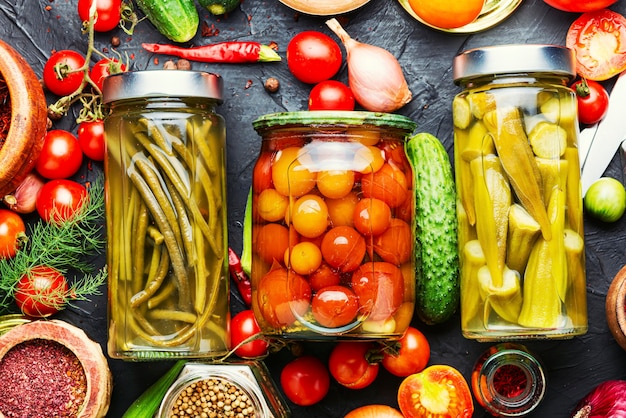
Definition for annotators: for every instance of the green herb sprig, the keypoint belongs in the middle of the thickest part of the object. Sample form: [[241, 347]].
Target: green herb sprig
[[63, 246]]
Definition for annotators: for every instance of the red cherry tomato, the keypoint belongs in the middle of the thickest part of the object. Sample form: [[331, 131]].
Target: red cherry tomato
[[60, 72], [305, 380], [58, 200], [343, 248], [12, 230], [41, 292], [334, 306], [108, 13], [438, 390], [349, 363], [91, 139], [411, 357], [104, 68], [331, 95], [282, 296], [593, 101], [597, 59], [313, 57], [61, 155], [244, 326], [379, 287], [580, 6]]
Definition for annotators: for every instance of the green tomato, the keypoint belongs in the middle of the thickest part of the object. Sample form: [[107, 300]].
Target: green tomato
[[606, 199]]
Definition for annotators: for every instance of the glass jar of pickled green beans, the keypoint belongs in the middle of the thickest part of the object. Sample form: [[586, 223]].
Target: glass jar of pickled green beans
[[166, 215]]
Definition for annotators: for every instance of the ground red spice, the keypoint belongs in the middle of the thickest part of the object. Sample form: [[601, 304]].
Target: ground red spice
[[5, 111], [41, 378], [509, 381]]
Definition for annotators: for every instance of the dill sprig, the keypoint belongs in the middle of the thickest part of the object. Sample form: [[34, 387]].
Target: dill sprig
[[63, 246]]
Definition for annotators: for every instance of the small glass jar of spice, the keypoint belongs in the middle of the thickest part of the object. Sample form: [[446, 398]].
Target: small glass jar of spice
[[508, 381], [519, 210], [333, 226]]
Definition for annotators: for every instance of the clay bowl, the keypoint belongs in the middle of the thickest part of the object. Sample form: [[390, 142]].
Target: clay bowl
[[324, 7], [29, 114], [616, 309]]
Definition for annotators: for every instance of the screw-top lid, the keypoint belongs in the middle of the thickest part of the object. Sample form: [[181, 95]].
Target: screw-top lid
[[334, 117], [514, 59], [162, 83]]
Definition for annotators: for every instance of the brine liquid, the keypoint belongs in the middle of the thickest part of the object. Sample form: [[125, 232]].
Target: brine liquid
[[520, 213], [167, 240]]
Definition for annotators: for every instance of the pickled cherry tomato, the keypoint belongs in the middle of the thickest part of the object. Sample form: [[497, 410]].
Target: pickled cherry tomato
[[289, 176], [334, 306], [368, 159], [310, 216], [271, 242], [341, 211], [388, 184], [395, 245], [335, 184], [272, 205], [262, 173], [371, 216], [304, 258], [324, 276], [343, 248], [281, 296], [379, 287]]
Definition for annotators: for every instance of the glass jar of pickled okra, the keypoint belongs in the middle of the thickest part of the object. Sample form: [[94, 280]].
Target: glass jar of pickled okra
[[333, 226], [166, 215], [520, 216]]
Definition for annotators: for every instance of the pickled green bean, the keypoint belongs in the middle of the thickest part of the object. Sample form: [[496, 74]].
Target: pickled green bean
[[155, 207], [162, 296], [168, 314], [157, 134], [201, 273], [199, 135], [140, 230], [154, 283], [155, 234], [183, 334], [185, 227]]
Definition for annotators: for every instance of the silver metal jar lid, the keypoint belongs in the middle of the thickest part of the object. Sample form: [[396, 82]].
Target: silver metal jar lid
[[162, 83], [514, 59]]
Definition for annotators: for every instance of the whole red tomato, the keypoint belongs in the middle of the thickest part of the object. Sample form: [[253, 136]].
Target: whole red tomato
[[91, 139], [60, 199], [41, 292], [108, 13], [593, 101], [313, 57], [12, 232], [597, 59], [580, 6], [61, 155], [104, 68], [411, 357], [331, 95], [61, 72], [244, 326], [351, 366], [305, 380]]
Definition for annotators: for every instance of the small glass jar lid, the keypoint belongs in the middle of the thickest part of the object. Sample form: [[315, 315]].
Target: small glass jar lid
[[514, 59], [162, 83]]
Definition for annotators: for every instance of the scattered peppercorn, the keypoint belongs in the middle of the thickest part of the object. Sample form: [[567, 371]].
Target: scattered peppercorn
[[272, 85], [169, 65], [116, 41], [213, 397], [183, 64]]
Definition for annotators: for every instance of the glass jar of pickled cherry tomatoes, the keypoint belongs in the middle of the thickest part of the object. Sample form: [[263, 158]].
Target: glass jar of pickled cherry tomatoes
[[333, 226]]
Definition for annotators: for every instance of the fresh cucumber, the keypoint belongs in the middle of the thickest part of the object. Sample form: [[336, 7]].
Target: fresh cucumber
[[177, 20], [436, 250], [219, 7]]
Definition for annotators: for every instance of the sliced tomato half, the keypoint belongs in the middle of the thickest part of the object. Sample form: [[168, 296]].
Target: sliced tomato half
[[599, 40], [437, 391]]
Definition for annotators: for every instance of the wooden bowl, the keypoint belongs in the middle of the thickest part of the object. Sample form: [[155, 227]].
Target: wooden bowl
[[324, 7], [616, 309]]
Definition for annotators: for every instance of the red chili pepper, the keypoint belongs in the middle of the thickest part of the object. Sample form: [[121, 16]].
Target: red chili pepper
[[239, 277], [235, 52]]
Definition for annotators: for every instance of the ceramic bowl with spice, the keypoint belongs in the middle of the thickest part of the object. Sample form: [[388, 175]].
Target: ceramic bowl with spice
[[616, 307], [238, 389]]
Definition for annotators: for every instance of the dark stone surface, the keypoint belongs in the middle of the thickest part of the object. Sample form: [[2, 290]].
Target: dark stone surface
[[573, 366]]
